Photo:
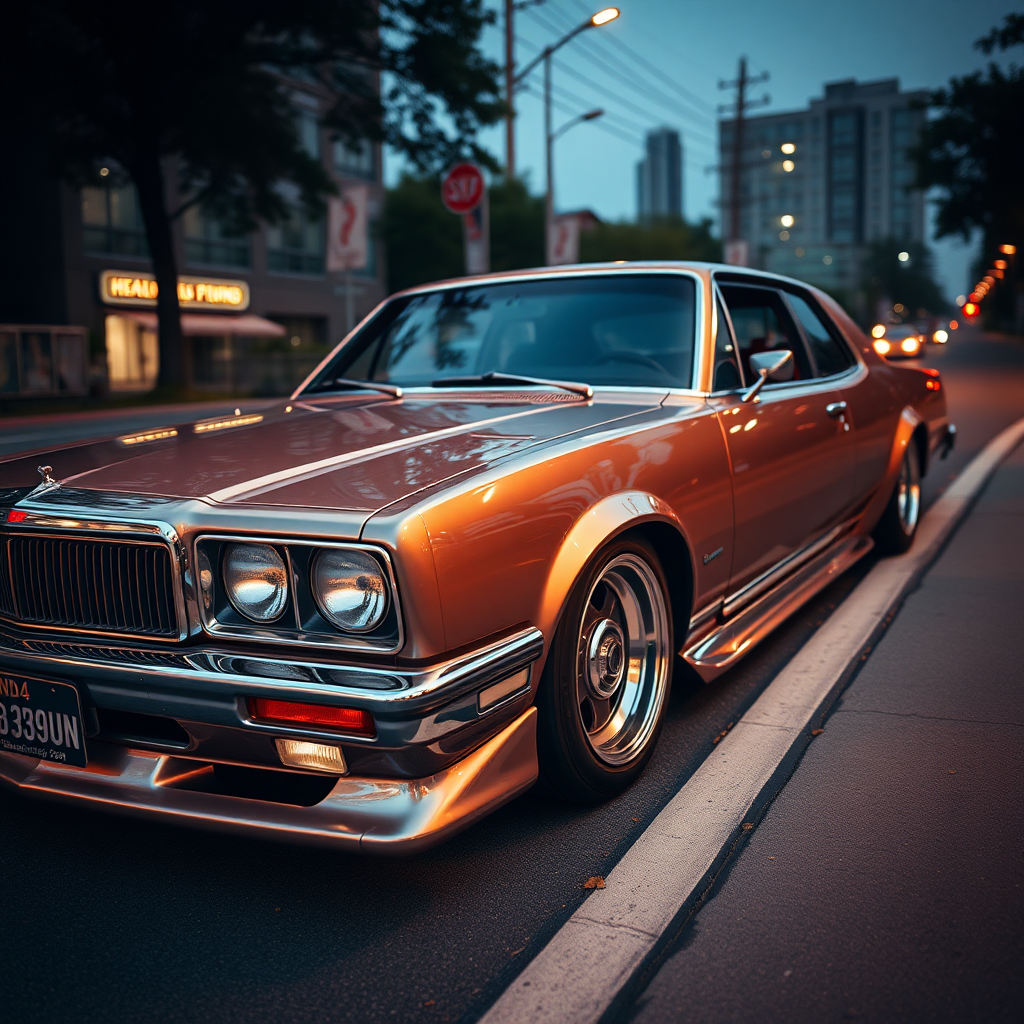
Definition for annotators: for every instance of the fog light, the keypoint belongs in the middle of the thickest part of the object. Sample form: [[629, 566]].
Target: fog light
[[319, 757], [490, 695]]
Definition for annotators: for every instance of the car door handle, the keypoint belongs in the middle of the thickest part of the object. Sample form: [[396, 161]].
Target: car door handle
[[835, 409]]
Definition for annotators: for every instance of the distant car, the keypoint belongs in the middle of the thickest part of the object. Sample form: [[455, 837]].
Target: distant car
[[469, 550], [900, 341]]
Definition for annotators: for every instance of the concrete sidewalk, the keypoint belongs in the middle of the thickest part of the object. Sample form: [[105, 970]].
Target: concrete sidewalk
[[886, 882]]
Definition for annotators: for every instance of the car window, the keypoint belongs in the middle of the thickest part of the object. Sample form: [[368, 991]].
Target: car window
[[625, 329], [727, 368], [828, 352], [761, 323]]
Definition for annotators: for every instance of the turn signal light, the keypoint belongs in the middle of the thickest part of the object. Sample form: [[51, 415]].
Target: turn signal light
[[350, 720]]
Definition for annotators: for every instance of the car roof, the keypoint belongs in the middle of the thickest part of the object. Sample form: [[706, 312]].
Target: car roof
[[701, 268]]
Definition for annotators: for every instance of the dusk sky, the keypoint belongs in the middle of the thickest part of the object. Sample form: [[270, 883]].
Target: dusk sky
[[660, 63]]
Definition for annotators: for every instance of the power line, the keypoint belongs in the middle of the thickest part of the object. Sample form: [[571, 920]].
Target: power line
[[620, 100], [656, 70], [612, 66]]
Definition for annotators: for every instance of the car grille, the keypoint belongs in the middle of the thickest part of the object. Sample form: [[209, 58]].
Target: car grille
[[103, 586]]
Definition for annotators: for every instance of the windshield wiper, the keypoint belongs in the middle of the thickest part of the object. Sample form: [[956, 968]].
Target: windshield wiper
[[361, 385], [494, 377]]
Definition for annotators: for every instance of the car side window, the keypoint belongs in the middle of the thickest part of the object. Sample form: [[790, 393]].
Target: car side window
[[828, 352], [761, 323], [727, 368]]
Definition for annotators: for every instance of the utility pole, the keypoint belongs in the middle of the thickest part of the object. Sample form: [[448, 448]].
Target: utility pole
[[741, 84], [510, 82]]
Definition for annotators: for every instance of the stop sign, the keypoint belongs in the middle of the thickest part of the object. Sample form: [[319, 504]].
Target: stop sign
[[462, 188]]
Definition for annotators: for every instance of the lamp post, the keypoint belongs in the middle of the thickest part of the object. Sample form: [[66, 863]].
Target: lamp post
[[602, 17], [590, 115]]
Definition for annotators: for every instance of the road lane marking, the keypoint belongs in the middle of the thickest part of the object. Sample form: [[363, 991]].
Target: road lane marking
[[593, 958]]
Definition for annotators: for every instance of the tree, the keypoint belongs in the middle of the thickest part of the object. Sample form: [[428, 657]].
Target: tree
[[910, 283], [974, 150], [668, 239], [424, 241], [193, 102]]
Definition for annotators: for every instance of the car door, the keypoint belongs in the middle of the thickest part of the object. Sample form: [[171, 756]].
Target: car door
[[791, 451]]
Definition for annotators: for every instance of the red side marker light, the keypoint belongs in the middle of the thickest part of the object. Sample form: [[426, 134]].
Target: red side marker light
[[350, 720], [16, 516]]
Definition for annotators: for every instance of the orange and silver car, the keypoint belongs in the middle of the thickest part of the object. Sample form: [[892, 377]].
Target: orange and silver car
[[469, 552]]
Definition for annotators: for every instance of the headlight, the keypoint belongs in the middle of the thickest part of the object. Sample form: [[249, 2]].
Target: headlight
[[882, 347], [256, 581], [350, 589], [910, 345], [205, 573]]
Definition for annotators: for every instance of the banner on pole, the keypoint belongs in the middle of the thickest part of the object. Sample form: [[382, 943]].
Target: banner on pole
[[348, 236], [564, 240]]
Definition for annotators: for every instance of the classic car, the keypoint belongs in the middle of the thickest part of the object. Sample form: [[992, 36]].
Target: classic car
[[470, 551]]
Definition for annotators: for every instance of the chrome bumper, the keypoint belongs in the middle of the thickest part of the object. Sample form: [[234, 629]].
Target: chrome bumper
[[365, 814]]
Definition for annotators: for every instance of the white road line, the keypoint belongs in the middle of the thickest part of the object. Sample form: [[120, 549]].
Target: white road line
[[606, 943]]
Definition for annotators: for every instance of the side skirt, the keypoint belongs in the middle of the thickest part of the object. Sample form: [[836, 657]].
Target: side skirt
[[729, 641]]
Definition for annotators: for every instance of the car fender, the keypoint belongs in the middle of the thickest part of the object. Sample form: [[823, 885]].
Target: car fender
[[601, 523], [909, 421]]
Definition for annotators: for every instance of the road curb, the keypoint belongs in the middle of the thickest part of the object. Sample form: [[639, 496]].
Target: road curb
[[592, 965]]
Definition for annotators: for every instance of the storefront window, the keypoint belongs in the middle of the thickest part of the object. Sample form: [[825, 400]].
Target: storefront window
[[296, 246], [112, 221], [207, 241]]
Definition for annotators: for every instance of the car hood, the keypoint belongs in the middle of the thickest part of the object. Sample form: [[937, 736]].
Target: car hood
[[347, 453]]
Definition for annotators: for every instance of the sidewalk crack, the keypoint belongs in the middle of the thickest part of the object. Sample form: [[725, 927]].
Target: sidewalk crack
[[924, 718]]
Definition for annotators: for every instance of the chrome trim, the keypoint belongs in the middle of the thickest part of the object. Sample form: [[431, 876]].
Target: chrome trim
[[267, 634], [320, 680], [733, 602], [38, 524], [713, 653], [709, 612], [365, 814]]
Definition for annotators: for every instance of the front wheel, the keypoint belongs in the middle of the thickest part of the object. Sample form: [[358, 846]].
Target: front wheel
[[605, 687], [895, 530]]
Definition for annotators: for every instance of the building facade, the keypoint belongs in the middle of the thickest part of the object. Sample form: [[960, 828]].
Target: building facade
[[659, 176], [258, 311], [819, 185]]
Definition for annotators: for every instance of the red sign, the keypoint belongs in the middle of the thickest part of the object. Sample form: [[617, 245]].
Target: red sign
[[462, 188]]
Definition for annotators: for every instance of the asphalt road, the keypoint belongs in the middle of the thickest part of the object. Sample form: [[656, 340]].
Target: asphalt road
[[109, 919]]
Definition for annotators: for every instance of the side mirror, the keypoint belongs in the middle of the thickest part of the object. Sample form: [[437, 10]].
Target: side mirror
[[777, 366]]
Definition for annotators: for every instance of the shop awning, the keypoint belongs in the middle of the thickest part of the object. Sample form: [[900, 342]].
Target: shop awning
[[213, 324]]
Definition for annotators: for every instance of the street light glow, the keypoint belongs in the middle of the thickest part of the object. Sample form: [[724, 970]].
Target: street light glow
[[786, 220], [788, 148], [603, 17], [1008, 250], [903, 257], [788, 165]]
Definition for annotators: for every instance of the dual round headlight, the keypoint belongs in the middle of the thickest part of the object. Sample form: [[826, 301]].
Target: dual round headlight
[[347, 584]]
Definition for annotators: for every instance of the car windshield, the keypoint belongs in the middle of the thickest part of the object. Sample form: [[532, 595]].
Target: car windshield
[[626, 329]]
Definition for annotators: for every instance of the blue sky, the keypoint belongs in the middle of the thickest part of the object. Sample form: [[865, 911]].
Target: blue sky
[[661, 61]]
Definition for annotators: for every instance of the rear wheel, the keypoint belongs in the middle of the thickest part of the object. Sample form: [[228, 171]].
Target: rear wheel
[[895, 531], [605, 687]]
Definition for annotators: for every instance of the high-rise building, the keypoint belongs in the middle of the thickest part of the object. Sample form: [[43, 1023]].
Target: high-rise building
[[818, 185], [659, 176]]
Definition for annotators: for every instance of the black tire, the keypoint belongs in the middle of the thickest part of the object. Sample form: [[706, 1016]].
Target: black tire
[[600, 713], [896, 529]]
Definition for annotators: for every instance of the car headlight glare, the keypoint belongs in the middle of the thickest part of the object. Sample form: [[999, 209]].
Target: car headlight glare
[[350, 589], [256, 581]]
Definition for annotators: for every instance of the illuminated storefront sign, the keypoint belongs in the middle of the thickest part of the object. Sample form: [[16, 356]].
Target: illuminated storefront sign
[[128, 288]]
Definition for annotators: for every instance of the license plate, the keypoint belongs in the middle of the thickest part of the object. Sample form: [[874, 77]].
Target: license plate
[[41, 719]]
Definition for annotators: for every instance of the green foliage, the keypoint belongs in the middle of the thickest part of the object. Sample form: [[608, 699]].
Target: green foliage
[[912, 283], [205, 90], [974, 150], [424, 241], [661, 240]]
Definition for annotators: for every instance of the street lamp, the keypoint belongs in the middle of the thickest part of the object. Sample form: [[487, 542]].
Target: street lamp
[[602, 17]]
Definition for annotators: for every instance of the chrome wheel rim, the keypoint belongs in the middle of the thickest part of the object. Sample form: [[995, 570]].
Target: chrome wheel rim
[[908, 494], [622, 659]]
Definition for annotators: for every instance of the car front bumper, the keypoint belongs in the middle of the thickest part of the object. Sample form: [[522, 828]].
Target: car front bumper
[[440, 759]]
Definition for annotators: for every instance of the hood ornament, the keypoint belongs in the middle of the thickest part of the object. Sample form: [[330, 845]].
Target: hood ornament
[[50, 483]]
